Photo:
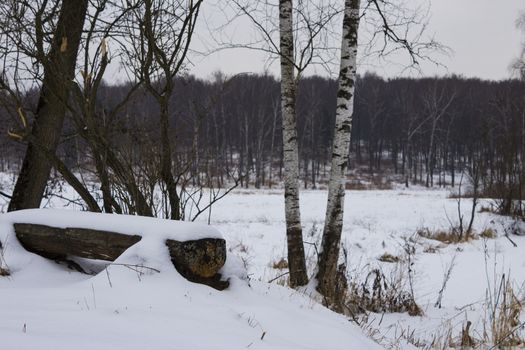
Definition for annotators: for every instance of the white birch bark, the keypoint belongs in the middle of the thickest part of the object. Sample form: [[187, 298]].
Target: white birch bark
[[296, 258], [329, 257]]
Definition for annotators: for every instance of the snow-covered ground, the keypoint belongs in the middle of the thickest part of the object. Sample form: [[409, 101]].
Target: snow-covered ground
[[128, 306], [379, 222], [55, 308]]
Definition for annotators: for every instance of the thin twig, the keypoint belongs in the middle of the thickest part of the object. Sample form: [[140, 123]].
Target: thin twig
[[135, 267], [276, 278], [511, 241], [109, 279], [5, 195]]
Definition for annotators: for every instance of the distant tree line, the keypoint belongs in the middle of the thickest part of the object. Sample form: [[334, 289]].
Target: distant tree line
[[426, 131]]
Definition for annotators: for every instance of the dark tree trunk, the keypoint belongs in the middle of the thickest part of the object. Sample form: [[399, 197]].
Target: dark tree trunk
[[165, 161], [59, 70]]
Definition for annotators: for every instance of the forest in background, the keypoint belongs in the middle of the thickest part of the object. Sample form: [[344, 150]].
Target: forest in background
[[228, 129]]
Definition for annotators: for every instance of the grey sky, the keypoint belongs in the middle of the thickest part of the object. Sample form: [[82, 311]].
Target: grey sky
[[482, 34]]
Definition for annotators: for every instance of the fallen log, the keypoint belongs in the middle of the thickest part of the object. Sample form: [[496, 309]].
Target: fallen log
[[197, 260], [57, 243]]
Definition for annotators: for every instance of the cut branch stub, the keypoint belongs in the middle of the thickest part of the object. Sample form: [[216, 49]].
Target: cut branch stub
[[203, 257], [197, 260]]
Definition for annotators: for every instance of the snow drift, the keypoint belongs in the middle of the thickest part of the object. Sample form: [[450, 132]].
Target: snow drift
[[46, 306]]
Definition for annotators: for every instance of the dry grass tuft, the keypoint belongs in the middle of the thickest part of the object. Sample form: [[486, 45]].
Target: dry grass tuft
[[446, 236], [378, 294], [504, 319], [488, 233], [431, 249], [281, 264], [466, 339], [389, 258]]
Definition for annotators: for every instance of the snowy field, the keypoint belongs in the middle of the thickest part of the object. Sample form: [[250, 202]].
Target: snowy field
[[46, 306], [379, 222]]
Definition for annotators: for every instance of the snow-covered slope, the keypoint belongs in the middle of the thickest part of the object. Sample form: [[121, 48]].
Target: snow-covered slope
[[379, 222], [46, 306]]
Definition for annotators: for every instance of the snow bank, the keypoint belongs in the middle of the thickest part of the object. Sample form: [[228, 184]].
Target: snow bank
[[150, 251], [47, 307], [162, 313]]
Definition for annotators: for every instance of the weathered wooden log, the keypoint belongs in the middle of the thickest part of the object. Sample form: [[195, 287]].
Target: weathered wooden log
[[197, 260], [58, 243]]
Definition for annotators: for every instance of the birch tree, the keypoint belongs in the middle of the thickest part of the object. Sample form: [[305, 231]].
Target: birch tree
[[327, 274], [329, 255], [302, 31], [296, 258]]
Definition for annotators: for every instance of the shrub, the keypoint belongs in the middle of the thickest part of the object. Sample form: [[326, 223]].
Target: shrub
[[504, 307], [378, 294]]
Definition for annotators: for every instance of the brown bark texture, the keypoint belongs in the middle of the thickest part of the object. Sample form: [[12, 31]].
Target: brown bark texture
[[59, 70]]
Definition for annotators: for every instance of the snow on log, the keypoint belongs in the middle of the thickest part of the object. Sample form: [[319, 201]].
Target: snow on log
[[197, 251]]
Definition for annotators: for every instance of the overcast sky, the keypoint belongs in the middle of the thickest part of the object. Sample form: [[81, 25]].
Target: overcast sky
[[481, 33]]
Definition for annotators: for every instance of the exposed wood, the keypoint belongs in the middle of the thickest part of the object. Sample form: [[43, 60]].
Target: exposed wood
[[203, 257], [54, 243], [197, 260], [200, 260]]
